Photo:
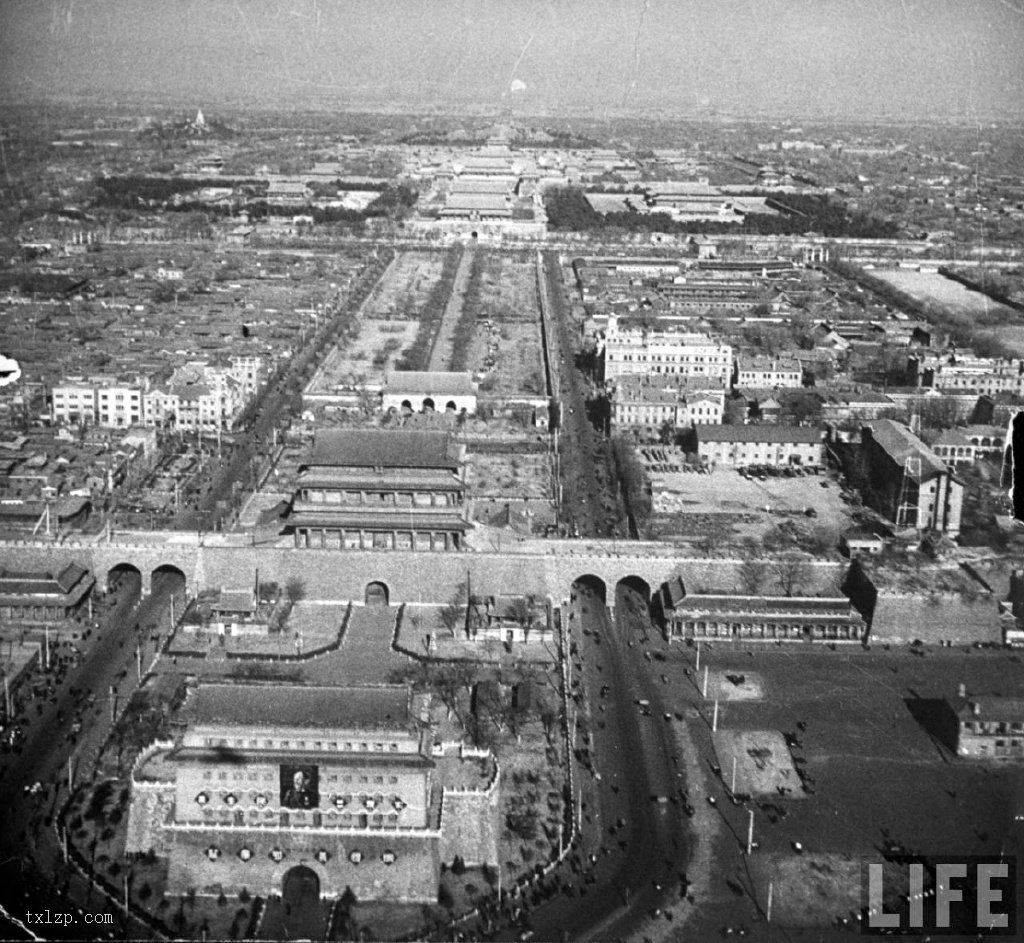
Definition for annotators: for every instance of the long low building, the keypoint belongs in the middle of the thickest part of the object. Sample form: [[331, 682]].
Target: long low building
[[767, 444], [429, 391], [41, 597], [702, 616]]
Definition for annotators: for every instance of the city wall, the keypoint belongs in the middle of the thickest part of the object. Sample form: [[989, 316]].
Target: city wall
[[408, 576]]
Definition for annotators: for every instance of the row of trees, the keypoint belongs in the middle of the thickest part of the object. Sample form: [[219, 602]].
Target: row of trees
[[962, 328], [417, 357], [462, 337], [633, 480]]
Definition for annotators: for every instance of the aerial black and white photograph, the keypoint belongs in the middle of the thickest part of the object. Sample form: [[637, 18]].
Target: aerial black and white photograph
[[515, 470]]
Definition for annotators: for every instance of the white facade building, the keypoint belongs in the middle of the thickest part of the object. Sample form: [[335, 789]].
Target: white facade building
[[638, 350]]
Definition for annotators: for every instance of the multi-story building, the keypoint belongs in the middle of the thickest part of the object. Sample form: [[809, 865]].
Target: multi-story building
[[965, 372], [641, 350], [339, 785], [644, 406], [986, 727], [73, 403], [908, 482], [198, 395], [767, 444], [768, 372], [101, 401], [380, 490]]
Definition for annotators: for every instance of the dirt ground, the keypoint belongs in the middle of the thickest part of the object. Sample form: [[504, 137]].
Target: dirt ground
[[507, 358], [742, 502], [506, 348], [735, 685], [367, 358], [764, 766], [527, 475]]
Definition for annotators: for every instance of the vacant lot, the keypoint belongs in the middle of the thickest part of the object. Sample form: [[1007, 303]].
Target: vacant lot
[[746, 506], [527, 475]]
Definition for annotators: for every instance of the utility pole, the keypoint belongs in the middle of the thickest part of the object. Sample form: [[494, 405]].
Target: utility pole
[[750, 832]]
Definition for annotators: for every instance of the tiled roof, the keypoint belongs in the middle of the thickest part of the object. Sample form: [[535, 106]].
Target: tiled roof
[[15, 583], [429, 383], [754, 433], [825, 606], [952, 437], [989, 708], [299, 706], [419, 519], [373, 448], [899, 443]]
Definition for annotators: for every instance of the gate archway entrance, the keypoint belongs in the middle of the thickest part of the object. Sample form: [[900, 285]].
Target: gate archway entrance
[[300, 887], [376, 594]]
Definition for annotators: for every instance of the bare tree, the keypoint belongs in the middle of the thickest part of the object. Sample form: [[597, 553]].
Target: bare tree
[[295, 589], [752, 576], [792, 572], [455, 613]]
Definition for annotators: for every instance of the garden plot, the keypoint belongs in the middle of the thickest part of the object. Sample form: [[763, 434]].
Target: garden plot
[[507, 359], [505, 352], [405, 287], [508, 476], [367, 358]]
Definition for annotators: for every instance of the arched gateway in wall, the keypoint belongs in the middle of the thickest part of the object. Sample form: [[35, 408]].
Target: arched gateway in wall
[[300, 887], [594, 585], [377, 594]]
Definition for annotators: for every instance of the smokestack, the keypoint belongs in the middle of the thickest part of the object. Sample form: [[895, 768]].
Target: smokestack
[[961, 690], [976, 708]]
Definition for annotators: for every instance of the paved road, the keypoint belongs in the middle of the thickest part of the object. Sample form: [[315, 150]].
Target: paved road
[[441, 352], [29, 851], [632, 856], [588, 509]]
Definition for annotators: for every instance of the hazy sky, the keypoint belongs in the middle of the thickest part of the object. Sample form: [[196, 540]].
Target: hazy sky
[[899, 58]]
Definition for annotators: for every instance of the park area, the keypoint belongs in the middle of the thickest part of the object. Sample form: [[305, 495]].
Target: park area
[[504, 350], [407, 283]]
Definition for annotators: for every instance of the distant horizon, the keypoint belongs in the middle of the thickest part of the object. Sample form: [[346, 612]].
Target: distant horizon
[[167, 107], [898, 60]]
